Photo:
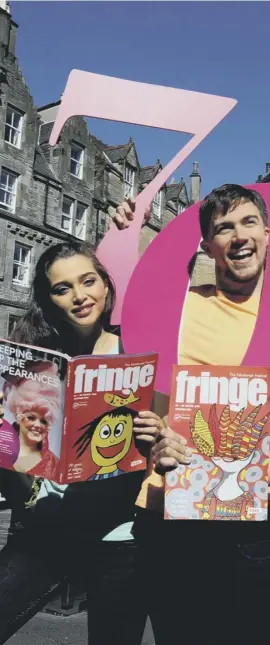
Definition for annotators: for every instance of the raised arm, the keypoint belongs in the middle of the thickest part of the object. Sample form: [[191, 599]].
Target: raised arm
[[119, 249]]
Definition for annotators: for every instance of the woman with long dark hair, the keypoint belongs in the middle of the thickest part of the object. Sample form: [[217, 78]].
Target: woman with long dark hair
[[83, 529], [69, 315]]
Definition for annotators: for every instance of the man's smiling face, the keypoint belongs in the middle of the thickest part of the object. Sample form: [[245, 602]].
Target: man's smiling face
[[237, 242]]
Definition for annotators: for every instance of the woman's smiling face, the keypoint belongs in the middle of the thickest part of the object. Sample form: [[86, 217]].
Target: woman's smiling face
[[33, 426], [78, 290]]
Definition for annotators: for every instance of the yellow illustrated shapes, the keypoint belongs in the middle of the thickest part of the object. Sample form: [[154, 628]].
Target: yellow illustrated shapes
[[119, 401]]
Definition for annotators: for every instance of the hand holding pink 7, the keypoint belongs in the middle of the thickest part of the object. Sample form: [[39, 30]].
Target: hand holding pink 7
[[124, 214]]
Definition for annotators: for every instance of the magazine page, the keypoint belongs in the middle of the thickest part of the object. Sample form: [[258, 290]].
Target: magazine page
[[32, 392], [105, 394], [223, 412]]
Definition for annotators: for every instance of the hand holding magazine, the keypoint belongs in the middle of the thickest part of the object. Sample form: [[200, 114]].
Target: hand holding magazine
[[71, 419]]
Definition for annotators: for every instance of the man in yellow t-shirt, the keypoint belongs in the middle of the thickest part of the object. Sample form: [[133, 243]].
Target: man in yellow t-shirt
[[218, 322], [216, 328]]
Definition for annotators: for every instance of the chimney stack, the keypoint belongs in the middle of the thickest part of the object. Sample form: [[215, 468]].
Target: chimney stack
[[4, 4], [8, 31], [195, 184]]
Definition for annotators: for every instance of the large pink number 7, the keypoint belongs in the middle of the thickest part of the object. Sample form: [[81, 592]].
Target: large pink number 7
[[141, 104]]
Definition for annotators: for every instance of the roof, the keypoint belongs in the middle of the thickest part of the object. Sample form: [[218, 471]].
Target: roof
[[117, 153], [48, 105], [45, 132], [149, 172], [173, 190], [97, 141], [41, 166], [264, 179]]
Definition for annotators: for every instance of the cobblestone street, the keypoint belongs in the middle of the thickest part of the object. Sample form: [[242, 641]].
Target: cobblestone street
[[47, 628]]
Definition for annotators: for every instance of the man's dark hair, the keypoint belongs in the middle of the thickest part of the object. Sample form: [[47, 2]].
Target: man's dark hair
[[222, 199]]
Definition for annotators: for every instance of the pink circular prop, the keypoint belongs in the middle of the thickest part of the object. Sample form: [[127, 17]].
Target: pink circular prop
[[155, 296]]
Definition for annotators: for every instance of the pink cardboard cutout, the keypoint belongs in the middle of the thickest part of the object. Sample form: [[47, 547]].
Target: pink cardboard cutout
[[155, 296], [141, 104]]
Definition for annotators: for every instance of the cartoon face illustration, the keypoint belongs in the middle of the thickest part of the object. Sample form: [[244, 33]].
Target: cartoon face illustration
[[111, 439]]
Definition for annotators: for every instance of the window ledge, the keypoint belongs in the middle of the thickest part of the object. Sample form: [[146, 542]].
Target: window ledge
[[12, 144], [20, 287], [75, 176], [7, 210]]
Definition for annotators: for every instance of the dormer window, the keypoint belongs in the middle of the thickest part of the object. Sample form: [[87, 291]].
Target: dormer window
[[76, 160], [129, 181], [156, 205], [13, 128]]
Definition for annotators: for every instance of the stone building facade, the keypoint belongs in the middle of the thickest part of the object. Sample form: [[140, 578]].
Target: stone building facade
[[49, 194]]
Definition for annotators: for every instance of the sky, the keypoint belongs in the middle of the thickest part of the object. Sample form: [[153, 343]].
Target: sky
[[213, 47]]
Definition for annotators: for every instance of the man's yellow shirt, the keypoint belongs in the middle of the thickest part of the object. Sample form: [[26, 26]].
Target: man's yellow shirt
[[214, 331]]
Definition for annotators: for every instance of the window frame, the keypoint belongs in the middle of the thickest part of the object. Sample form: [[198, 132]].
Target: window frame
[[156, 205], [63, 214], [77, 221], [79, 162], [181, 208], [11, 126], [6, 189], [16, 319], [74, 221], [129, 185], [19, 263]]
